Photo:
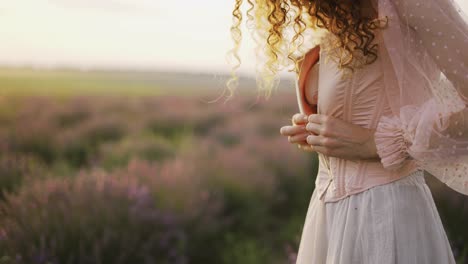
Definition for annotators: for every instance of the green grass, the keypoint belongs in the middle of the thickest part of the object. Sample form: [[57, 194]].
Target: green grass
[[30, 82], [72, 82]]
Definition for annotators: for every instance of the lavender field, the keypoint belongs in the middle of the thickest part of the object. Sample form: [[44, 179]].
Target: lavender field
[[151, 172]]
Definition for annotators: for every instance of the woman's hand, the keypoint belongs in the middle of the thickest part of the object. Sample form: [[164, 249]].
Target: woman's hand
[[297, 133], [337, 138]]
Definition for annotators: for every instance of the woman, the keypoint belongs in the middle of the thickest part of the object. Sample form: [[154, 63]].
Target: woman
[[386, 102]]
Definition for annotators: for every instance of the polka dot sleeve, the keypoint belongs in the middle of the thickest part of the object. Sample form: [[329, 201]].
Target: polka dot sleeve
[[424, 50]]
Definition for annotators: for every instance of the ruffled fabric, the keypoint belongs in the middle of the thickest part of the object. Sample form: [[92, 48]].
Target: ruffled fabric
[[391, 142]]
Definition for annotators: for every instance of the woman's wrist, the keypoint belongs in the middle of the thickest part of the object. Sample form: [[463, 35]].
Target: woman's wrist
[[370, 147], [391, 142]]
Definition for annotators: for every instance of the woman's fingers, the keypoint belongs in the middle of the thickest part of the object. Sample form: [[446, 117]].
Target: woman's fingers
[[299, 119], [311, 148], [318, 118], [319, 149], [299, 138], [327, 126], [315, 140], [298, 133], [306, 147], [319, 140], [292, 130], [314, 128]]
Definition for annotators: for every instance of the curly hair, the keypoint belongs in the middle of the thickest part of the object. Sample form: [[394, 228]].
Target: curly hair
[[280, 29]]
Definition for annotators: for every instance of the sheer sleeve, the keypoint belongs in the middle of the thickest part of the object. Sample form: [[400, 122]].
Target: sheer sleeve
[[426, 84], [442, 30]]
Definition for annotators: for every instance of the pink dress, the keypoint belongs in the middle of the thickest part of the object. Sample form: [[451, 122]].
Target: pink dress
[[361, 212]]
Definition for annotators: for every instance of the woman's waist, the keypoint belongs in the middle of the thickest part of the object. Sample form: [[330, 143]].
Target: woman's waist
[[348, 176]]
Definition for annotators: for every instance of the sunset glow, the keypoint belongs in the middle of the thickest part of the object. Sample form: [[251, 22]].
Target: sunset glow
[[148, 34]]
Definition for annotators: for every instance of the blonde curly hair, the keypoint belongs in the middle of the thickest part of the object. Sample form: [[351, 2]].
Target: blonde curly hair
[[280, 29]]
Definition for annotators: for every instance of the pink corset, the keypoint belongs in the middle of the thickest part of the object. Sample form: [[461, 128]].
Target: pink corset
[[359, 99]]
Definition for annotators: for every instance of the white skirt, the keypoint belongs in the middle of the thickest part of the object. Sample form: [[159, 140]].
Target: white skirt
[[395, 223]]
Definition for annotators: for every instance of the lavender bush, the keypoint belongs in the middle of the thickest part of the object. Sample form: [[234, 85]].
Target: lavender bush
[[15, 169], [453, 210], [91, 219], [238, 191]]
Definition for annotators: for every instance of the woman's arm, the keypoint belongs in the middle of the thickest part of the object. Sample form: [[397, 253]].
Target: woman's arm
[[337, 138], [331, 136], [431, 36], [426, 82], [443, 32]]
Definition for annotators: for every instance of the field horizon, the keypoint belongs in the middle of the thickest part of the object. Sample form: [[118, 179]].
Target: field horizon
[[29, 81]]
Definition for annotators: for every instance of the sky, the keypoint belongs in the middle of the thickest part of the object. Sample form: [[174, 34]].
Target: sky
[[168, 35]]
